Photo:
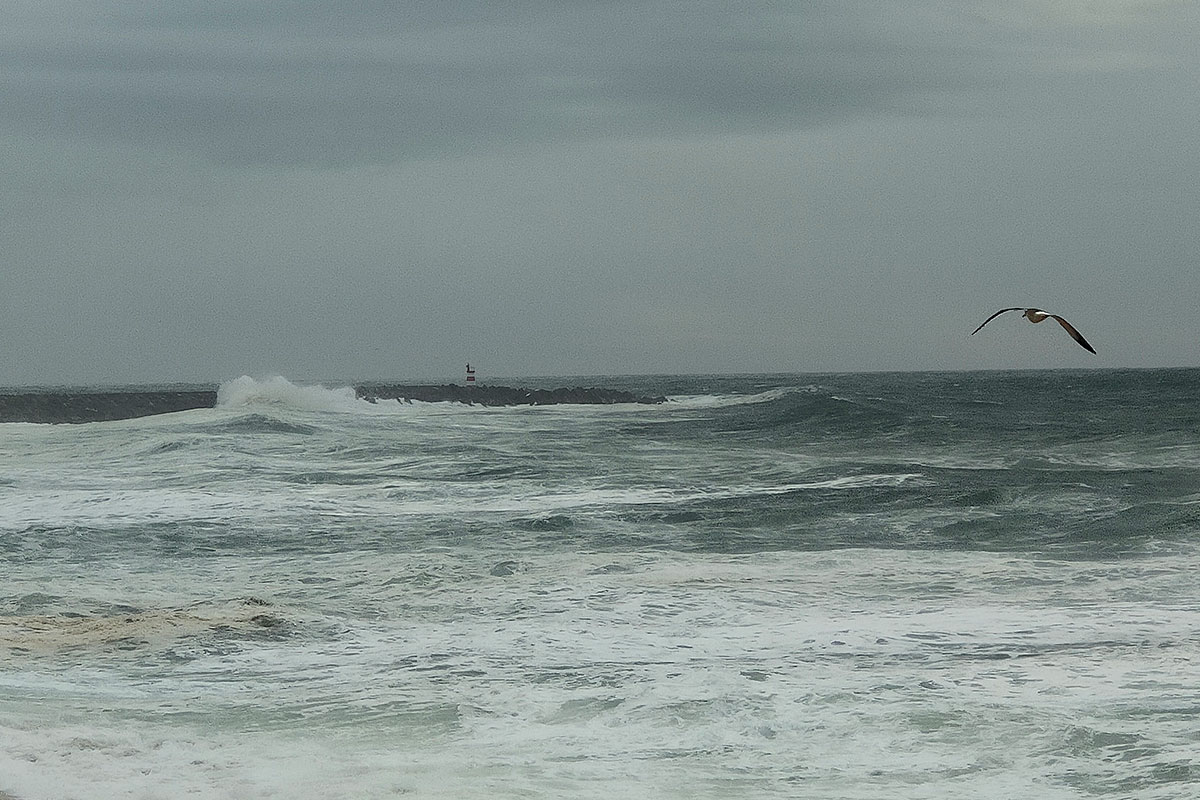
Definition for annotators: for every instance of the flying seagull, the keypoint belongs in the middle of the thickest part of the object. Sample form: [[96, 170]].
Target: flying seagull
[[1037, 315]]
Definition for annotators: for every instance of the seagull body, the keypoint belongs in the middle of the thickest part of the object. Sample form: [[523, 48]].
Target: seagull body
[[1036, 315]]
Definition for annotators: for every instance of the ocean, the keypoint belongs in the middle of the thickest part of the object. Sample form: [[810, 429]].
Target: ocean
[[923, 585]]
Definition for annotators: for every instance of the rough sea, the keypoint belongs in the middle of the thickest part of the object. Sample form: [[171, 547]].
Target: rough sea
[[926, 585]]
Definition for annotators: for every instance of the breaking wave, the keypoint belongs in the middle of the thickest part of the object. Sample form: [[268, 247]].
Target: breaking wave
[[278, 392]]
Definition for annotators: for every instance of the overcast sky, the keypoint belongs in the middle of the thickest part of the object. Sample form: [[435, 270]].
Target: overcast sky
[[199, 189]]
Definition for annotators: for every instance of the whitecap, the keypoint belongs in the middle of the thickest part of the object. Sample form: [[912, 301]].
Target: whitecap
[[278, 391]]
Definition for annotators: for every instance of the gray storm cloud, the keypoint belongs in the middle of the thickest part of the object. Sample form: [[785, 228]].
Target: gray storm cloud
[[373, 190]]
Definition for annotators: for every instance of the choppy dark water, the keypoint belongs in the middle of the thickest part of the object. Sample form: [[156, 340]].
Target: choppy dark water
[[900, 585]]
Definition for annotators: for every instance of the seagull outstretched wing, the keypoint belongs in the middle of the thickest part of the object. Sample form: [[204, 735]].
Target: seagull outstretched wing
[[992, 317]]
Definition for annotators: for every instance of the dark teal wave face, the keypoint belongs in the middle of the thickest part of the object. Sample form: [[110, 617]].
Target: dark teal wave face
[[1016, 407], [1083, 464]]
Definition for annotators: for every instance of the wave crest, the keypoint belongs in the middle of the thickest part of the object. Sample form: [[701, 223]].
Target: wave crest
[[279, 392]]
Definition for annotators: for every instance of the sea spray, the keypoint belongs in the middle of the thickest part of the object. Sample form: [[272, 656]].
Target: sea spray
[[278, 391]]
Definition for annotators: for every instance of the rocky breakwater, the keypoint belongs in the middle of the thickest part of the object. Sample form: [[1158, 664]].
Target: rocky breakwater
[[81, 405], [486, 395], [84, 405]]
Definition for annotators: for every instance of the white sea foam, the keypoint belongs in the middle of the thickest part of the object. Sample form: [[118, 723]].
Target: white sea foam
[[481, 498], [673, 675], [72, 508], [727, 400]]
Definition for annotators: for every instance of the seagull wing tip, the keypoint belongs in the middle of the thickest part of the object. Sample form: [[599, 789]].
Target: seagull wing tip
[[1076, 335]]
